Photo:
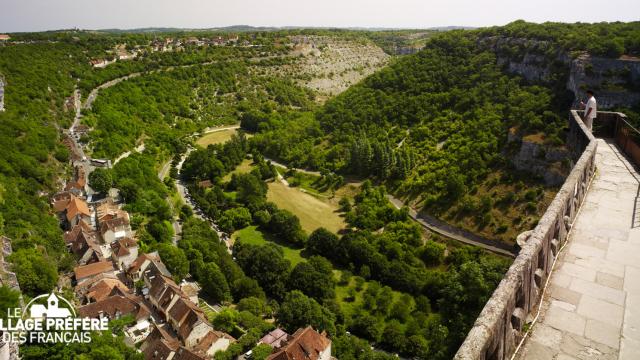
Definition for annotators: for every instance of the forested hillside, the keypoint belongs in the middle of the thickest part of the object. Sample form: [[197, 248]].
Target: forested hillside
[[31, 157], [434, 126]]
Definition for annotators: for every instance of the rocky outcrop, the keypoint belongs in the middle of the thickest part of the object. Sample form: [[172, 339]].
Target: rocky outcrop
[[532, 155], [531, 59], [615, 81]]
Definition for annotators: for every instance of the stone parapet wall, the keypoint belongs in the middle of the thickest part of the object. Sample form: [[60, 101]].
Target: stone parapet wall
[[501, 324]]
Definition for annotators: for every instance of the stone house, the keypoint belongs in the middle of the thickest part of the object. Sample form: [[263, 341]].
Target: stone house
[[86, 272], [147, 263], [304, 344], [103, 288], [82, 242], [115, 228], [123, 252], [116, 306], [71, 209]]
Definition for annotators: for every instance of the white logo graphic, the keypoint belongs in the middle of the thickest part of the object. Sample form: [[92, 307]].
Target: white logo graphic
[[52, 310], [51, 323]]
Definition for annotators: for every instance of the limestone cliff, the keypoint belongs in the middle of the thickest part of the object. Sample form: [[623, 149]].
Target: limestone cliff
[[615, 81], [531, 154]]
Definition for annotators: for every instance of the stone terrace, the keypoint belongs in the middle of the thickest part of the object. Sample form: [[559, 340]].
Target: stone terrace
[[591, 309]]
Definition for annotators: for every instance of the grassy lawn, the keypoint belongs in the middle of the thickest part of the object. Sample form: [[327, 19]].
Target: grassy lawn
[[244, 167], [216, 137], [314, 185], [313, 212], [308, 182], [251, 235]]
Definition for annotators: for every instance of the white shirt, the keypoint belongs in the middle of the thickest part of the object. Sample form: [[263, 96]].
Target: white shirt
[[591, 104]]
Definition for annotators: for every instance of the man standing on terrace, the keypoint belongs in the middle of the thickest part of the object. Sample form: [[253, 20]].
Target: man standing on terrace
[[590, 110]]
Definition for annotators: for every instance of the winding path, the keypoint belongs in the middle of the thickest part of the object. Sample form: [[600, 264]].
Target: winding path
[[455, 233], [433, 224]]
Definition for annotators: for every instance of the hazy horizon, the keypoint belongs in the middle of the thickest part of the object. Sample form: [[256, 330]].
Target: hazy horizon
[[35, 15]]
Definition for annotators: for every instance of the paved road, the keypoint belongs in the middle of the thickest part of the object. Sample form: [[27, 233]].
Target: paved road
[[592, 307], [184, 195], [94, 93], [455, 233], [434, 224], [305, 171]]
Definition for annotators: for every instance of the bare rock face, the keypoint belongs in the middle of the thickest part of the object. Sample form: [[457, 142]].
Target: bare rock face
[[616, 82], [540, 159]]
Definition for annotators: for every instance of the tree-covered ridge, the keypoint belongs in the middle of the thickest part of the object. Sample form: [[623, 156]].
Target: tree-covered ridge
[[165, 106], [159, 105], [38, 80], [450, 104], [603, 39]]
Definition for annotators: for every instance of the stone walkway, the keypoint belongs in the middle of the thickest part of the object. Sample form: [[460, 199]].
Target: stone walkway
[[592, 306]]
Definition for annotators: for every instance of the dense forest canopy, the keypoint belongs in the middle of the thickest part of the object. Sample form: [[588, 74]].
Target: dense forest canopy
[[603, 39]]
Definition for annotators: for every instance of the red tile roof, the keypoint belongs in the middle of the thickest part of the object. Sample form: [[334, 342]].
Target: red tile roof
[[304, 344], [105, 288], [115, 306], [97, 268], [211, 338], [160, 349], [275, 338], [137, 263], [113, 224], [77, 206], [191, 320], [185, 354], [180, 310], [160, 332], [61, 200], [121, 247]]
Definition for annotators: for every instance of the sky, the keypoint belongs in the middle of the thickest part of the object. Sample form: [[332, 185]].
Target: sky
[[39, 15]]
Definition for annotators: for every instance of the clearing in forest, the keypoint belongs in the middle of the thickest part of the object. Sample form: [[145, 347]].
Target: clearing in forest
[[245, 167], [252, 235], [216, 137], [313, 212]]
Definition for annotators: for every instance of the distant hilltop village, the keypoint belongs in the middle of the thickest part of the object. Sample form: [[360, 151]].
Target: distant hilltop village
[[123, 52]]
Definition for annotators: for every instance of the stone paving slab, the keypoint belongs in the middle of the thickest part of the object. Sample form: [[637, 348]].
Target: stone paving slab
[[591, 308]]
